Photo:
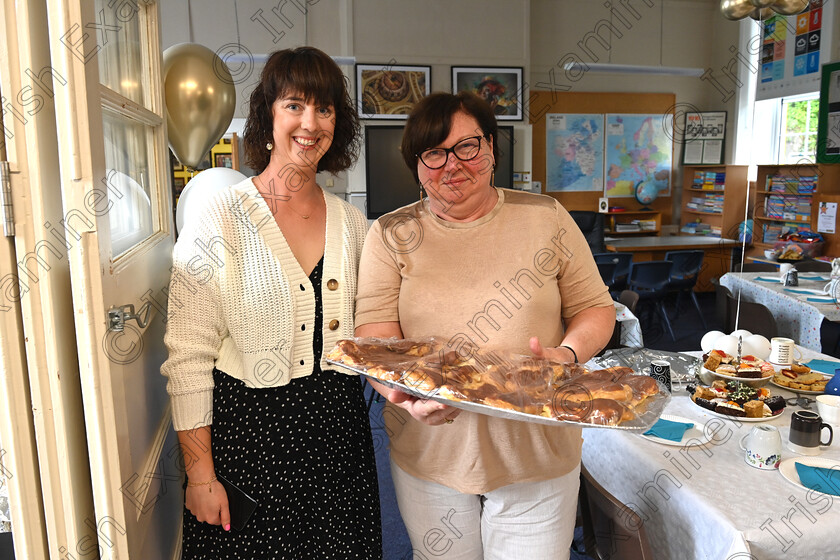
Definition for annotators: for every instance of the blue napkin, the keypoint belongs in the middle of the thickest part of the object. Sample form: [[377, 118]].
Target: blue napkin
[[668, 429], [823, 366], [772, 280], [814, 278], [820, 479], [820, 300], [791, 290]]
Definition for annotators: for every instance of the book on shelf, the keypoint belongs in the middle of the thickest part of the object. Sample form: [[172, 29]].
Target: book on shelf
[[708, 180]]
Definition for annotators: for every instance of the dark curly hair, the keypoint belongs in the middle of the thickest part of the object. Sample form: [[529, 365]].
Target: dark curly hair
[[312, 73], [430, 121]]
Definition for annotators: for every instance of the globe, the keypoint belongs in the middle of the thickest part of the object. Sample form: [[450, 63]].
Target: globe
[[646, 192]]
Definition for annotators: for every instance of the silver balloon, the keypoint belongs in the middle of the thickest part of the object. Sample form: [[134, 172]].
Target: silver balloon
[[762, 14], [789, 7], [736, 9], [762, 3], [200, 100]]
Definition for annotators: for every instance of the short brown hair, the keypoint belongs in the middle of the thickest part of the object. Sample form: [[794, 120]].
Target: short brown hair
[[312, 73], [431, 119]]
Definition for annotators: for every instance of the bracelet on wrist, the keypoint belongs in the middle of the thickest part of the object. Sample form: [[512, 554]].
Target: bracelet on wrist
[[570, 349], [209, 484]]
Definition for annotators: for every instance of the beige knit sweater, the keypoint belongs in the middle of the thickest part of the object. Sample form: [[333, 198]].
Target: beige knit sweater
[[240, 301]]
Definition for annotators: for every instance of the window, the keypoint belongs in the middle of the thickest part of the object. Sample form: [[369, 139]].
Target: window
[[785, 130]]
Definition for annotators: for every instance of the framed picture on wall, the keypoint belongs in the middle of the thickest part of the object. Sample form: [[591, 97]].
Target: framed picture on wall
[[386, 91], [501, 87], [828, 127], [223, 160]]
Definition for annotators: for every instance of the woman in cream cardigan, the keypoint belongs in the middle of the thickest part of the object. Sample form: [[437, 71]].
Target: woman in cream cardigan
[[262, 287]]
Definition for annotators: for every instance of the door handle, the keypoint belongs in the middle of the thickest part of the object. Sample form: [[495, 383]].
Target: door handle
[[118, 316]]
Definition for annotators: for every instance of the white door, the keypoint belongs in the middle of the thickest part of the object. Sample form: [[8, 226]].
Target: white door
[[46, 459], [114, 176]]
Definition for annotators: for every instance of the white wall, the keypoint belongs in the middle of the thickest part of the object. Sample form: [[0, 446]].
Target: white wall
[[534, 34]]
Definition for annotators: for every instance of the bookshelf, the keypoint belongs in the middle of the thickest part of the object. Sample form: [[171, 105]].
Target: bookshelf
[[620, 224], [713, 200], [785, 199]]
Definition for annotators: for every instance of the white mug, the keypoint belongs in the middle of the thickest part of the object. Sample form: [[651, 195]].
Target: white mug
[[763, 447], [829, 408], [783, 351], [784, 268]]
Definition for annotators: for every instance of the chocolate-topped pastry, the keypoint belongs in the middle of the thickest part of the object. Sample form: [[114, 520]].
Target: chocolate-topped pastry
[[730, 408], [706, 403], [775, 403]]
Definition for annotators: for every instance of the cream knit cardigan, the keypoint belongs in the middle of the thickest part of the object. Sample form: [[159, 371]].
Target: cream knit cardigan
[[239, 300]]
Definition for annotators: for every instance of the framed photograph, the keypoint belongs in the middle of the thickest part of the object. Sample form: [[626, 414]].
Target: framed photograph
[[704, 135], [390, 92], [223, 160], [828, 127], [178, 184], [501, 87]]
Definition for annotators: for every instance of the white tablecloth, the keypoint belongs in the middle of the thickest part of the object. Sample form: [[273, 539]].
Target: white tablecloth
[[631, 330], [795, 317], [706, 502]]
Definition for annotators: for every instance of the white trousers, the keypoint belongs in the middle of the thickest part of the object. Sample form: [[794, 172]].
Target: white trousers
[[529, 520]]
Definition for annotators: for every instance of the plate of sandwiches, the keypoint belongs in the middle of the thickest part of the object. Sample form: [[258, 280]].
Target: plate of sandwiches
[[734, 399], [750, 370], [799, 378], [507, 385]]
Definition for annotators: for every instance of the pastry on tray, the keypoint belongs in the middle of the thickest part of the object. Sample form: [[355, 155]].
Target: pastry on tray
[[748, 367], [800, 377], [737, 399], [538, 387]]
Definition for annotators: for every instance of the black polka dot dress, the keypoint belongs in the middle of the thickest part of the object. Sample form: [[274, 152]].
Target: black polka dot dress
[[304, 451]]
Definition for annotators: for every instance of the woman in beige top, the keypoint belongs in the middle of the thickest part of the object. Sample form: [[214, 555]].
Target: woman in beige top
[[488, 268]]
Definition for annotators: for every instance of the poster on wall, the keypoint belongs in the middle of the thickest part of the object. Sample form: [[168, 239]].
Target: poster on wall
[[828, 128], [574, 153], [792, 50], [703, 138], [638, 151]]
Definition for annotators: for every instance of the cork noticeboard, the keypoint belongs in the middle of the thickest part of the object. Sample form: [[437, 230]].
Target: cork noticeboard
[[544, 102]]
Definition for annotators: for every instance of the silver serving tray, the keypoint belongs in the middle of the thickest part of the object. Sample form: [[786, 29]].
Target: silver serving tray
[[641, 423]]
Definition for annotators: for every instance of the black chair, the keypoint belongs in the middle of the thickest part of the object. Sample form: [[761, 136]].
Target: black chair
[[722, 295], [650, 280], [622, 262], [592, 226], [812, 266], [630, 299], [757, 267], [607, 271], [611, 530], [684, 274], [753, 316], [830, 338]]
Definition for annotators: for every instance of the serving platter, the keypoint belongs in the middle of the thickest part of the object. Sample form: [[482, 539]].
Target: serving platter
[[754, 382], [792, 390], [643, 421]]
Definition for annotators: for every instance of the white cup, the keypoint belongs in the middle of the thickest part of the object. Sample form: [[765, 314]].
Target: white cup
[[783, 351], [784, 268], [829, 408], [763, 447]]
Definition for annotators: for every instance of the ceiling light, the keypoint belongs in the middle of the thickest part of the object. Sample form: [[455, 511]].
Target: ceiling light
[[606, 68]]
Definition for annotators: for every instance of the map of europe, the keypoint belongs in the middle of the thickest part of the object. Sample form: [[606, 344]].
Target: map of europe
[[638, 148]]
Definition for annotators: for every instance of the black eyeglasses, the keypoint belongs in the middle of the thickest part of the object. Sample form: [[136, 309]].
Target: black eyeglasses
[[465, 150]]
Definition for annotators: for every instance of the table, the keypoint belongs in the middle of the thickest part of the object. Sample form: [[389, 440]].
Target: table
[[706, 502], [717, 260], [795, 318]]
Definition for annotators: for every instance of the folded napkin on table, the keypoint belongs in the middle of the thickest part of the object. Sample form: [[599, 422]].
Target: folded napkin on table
[[820, 479], [814, 278], [823, 366], [805, 291], [820, 299], [668, 429], [773, 280]]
